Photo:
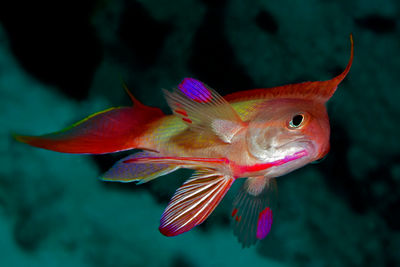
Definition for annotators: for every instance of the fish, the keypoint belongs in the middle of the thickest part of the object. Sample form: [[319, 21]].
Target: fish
[[258, 134]]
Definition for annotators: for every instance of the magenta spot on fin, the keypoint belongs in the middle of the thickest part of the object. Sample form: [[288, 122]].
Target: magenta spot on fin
[[264, 223], [195, 90]]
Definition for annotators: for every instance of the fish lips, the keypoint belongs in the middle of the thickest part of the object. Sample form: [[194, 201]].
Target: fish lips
[[302, 153]]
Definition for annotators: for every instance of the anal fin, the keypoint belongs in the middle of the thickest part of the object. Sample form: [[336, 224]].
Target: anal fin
[[140, 172]]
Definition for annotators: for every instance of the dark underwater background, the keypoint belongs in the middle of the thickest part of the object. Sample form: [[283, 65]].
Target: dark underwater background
[[61, 61]]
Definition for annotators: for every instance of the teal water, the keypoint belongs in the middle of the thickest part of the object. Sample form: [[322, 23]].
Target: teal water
[[58, 66]]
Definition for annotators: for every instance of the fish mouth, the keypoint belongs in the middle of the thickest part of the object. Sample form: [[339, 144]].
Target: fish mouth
[[293, 150], [301, 153], [240, 170], [295, 156]]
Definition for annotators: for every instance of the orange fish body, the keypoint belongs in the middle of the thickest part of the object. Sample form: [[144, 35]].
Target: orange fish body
[[258, 134]]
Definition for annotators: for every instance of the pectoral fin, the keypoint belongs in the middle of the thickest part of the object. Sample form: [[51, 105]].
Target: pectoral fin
[[193, 202]]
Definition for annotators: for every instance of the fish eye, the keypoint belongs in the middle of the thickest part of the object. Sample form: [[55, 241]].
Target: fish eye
[[296, 121]]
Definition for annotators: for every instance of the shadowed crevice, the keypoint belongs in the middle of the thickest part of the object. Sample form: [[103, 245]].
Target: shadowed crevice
[[266, 21], [142, 35], [377, 23], [54, 48], [213, 60]]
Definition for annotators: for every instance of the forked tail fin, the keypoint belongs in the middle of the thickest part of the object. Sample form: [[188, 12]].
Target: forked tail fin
[[110, 130]]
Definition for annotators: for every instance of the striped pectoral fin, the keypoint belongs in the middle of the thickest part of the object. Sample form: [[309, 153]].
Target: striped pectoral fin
[[140, 172], [193, 202], [252, 210]]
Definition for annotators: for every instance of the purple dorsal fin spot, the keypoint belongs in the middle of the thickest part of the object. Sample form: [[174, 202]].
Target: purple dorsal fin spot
[[195, 90], [264, 223]]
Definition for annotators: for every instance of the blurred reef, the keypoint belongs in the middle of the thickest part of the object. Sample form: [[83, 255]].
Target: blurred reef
[[63, 60]]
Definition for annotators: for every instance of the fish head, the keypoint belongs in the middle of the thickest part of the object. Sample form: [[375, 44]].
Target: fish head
[[293, 131]]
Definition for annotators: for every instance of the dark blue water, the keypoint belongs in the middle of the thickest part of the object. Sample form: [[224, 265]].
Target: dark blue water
[[63, 60]]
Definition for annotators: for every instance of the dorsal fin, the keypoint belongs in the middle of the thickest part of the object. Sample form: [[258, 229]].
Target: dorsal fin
[[325, 89], [338, 79], [322, 90], [107, 131], [204, 110], [131, 96]]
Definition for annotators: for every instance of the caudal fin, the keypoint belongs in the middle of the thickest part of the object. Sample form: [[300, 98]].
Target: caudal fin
[[111, 130]]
